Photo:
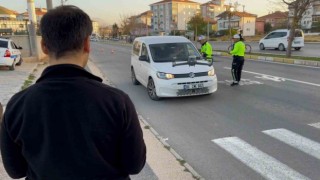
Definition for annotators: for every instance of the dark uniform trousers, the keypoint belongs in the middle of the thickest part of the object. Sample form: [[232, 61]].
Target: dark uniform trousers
[[237, 65]]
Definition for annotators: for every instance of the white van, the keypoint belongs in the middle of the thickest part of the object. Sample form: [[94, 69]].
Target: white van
[[278, 39], [171, 66]]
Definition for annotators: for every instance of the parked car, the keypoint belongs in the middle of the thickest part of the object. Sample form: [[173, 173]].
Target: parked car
[[10, 54], [171, 66], [278, 39], [95, 39]]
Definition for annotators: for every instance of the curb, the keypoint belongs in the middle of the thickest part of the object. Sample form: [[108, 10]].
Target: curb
[[275, 59], [170, 149], [182, 162]]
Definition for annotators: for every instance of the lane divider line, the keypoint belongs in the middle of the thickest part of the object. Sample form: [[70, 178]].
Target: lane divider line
[[316, 125], [277, 77]]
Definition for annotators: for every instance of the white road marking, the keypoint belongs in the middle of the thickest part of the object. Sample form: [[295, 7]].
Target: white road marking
[[265, 165], [316, 125], [282, 78], [295, 140], [272, 78]]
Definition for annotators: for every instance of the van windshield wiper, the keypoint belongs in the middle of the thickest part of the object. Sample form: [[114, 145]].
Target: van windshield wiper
[[192, 61]]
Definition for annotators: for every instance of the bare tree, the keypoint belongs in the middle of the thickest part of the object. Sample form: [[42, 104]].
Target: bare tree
[[297, 9], [128, 23]]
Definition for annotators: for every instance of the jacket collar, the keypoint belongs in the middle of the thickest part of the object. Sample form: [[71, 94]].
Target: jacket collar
[[66, 71]]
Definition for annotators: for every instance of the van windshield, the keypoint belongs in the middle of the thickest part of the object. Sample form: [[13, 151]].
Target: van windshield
[[169, 52], [298, 33]]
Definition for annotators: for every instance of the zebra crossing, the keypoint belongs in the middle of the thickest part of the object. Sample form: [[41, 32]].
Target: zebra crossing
[[266, 165]]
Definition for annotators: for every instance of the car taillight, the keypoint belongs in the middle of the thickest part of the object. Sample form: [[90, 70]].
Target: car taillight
[[7, 53]]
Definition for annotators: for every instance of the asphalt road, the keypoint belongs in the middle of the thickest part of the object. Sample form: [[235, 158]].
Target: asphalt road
[[269, 127], [309, 50]]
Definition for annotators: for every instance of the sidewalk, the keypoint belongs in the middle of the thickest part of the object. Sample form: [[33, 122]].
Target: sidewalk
[[162, 161]]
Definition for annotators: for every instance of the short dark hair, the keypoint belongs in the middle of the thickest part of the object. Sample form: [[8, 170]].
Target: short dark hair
[[64, 29]]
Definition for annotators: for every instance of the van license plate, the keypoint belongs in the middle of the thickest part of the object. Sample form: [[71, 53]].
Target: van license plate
[[193, 86], [296, 42]]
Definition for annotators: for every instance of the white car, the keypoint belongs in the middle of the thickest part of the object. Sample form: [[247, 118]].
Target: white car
[[171, 66], [278, 39], [10, 54]]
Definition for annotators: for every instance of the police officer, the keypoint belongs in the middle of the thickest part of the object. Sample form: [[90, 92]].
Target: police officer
[[206, 48], [238, 58]]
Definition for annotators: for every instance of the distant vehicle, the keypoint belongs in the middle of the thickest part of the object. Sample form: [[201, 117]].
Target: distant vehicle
[[115, 39], [94, 39], [278, 39], [10, 54], [171, 66]]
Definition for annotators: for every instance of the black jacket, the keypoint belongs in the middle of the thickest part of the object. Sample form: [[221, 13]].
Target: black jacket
[[70, 126]]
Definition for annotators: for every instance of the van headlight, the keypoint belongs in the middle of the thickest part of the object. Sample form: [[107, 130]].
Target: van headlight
[[211, 72], [163, 75]]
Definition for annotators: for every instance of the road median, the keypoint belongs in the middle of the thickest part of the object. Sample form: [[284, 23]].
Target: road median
[[267, 58]]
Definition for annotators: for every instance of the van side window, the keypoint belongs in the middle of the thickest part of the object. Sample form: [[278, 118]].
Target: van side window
[[271, 35], [136, 48], [282, 34], [144, 51]]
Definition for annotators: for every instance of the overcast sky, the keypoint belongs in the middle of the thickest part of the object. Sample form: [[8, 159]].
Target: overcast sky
[[109, 11]]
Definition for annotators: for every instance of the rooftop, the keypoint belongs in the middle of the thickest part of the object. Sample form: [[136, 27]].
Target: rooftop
[[275, 15], [237, 13], [5, 11], [162, 39], [179, 1]]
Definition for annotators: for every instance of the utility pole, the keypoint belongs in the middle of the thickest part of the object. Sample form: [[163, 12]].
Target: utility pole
[[49, 4], [32, 29]]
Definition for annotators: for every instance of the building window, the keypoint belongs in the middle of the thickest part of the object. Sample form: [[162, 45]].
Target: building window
[[248, 29], [21, 25]]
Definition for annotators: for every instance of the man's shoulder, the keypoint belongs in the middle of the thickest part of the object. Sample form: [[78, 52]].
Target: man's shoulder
[[108, 90]]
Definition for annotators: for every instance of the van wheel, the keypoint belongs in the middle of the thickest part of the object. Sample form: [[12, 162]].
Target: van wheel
[[133, 77], [13, 66], [297, 48], [152, 90], [261, 46], [281, 47], [20, 62]]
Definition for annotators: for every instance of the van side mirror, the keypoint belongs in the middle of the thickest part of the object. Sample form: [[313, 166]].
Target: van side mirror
[[19, 47], [144, 58]]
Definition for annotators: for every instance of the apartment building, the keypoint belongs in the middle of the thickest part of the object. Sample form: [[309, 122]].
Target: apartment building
[[212, 9], [8, 22], [142, 25], [7, 14], [172, 15], [40, 12], [310, 18], [238, 20], [95, 27], [145, 18]]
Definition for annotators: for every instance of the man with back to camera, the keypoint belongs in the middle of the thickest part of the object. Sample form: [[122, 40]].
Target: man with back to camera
[[238, 52], [206, 48], [69, 125]]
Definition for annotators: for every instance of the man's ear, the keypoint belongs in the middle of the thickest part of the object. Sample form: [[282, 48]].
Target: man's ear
[[44, 47], [86, 47]]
